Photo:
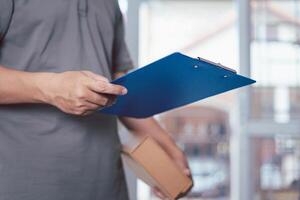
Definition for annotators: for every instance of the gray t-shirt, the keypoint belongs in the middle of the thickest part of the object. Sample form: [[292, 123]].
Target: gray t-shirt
[[46, 154]]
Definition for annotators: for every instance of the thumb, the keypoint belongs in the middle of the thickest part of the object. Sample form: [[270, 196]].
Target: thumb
[[187, 172], [184, 167]]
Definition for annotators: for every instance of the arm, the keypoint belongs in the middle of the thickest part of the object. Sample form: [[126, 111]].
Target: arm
[[143, 127], [21, 87], [150, 127], [78, 93]]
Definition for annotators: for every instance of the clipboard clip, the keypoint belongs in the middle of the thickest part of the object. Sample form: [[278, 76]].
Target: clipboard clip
[[216, 64]]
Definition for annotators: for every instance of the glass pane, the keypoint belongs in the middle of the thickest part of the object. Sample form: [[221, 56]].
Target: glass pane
[[276, 59], [203, 132], [276, 167], [198, 28], [206, 29]]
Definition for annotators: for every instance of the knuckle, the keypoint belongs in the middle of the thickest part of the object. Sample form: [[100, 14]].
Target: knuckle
[[91, 106], [105, 79], [81, 94], [94, 107], [104, 101], [80, 112], [76, 112], [101, 87], [66, 110], [78, 104]]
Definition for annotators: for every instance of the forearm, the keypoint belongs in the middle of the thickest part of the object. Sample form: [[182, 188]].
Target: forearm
[[150, 127], [22, 87]]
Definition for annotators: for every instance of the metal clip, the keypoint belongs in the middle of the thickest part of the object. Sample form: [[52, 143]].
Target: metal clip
[[217, 64]]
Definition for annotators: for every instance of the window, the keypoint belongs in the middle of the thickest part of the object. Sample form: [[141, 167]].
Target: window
[[276, 59], [196, 28], [276, 167]]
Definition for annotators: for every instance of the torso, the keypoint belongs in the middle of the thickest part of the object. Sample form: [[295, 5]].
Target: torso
[[44, 153]]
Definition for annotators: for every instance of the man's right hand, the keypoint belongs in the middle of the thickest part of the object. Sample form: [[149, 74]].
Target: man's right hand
[[80, 92]]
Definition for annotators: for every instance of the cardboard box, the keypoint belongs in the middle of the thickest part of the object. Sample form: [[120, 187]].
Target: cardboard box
[[153, 165]]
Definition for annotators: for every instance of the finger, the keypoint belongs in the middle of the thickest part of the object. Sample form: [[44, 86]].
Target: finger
[[187, 172], [111, 100], [87, 108], [107, 88], [92, 106], [158, 193], [183, 164], [98, 99], [94, 76]]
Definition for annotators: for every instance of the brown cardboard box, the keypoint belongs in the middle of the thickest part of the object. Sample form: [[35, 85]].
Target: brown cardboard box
[[153, 165]]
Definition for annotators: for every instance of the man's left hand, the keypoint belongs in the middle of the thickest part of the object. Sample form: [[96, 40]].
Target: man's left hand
[[180, 159]]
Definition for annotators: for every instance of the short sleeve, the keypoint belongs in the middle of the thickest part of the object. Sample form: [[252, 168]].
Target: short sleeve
[[121, 59], [6, 10]]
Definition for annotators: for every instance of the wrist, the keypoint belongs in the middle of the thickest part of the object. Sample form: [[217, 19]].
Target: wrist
[[43, 83], [172, 148], [175, 152]]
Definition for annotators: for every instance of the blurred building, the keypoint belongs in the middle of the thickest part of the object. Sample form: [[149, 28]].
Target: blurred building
[[203, 132]]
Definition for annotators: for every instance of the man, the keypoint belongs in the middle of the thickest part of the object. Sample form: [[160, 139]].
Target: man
[[56, 60]]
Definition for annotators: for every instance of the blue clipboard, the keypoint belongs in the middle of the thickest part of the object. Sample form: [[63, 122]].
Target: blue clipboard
[[172, 82]]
